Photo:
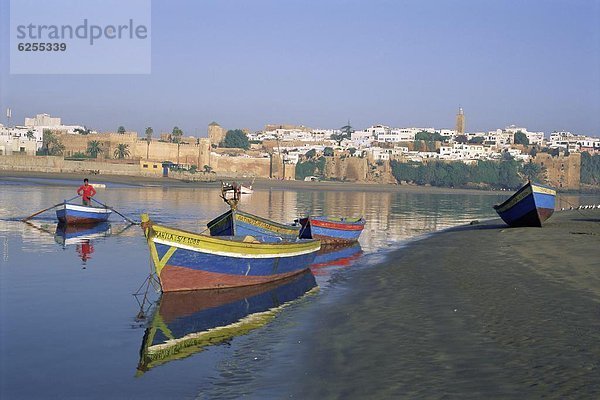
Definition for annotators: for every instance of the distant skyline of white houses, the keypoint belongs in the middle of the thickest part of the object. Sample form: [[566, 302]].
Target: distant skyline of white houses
[[378, 141]]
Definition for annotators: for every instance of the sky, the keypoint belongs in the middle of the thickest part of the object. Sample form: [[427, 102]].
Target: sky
[[247, 63]]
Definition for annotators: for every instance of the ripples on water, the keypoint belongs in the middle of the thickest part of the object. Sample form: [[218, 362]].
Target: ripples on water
[[68, 322]]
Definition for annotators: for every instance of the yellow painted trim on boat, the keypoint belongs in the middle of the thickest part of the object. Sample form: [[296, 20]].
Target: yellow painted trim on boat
[[261, 223], [516, 199], [541, 189], [189, 240], [163, 261]]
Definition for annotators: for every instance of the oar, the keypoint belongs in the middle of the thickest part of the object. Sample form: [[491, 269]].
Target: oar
[[116, 212], [39, 212], [49, 208]]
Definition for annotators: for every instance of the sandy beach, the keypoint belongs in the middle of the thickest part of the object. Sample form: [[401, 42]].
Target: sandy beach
[[477, 311]]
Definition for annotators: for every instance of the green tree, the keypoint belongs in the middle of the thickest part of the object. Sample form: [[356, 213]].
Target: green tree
[[311, 167], [30, 135], [149, 132], [94, 148], [476, 140], [345, 133], [176, 135], [121, 130], [532, 171], [590, 168], [236, 138], [328, 151], [51, 144], [310, 154], [521, 138], [122, 151], [461, 139], [207, 169], [352, 151], [84, 131]]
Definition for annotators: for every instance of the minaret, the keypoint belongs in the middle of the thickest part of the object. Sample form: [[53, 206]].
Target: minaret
[[460, 121]]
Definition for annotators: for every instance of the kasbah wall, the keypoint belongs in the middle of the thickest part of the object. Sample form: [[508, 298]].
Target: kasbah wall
[[562, 172], [189, 153]]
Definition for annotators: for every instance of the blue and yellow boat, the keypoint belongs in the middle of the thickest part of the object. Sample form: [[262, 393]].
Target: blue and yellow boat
[[190, 261], [184, 323], [238, 223], [529, 206]]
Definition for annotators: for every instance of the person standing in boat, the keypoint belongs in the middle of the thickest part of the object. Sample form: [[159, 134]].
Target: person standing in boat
[[86, 191]]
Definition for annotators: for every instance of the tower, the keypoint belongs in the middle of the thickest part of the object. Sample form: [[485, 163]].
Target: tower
[[460, 121], [216, 133]]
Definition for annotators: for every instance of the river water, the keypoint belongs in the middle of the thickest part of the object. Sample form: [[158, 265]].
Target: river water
[[71, 326]]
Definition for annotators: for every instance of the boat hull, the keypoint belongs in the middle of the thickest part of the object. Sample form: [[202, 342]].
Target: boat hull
[[332, 231], [238, 223], [73, 214], [189, 261], [530, 206]]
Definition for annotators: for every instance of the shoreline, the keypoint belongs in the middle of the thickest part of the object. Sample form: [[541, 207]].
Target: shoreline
[[495, 311], [259, 183]]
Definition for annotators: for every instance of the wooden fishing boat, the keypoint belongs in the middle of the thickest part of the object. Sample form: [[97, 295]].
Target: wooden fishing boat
[[72, 234], [189, 261], [72, 214], [332, 230], [529, 206], [238, 223], [184, 323]]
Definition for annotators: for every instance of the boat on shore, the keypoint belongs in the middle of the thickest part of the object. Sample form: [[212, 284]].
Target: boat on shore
[[332, 230], [190, 261], [73, 214], [184, 323], [530, 206], [235, 223]]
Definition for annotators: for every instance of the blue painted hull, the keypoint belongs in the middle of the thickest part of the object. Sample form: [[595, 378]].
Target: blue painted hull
[[72, 214], [238, 223], [529, 206], [241, 267]]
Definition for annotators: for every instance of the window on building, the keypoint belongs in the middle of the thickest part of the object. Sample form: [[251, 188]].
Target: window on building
[[155, 166], [145, 166], [22, 149]]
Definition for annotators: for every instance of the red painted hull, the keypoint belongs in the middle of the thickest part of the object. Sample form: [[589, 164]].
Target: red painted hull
[[174, 279]]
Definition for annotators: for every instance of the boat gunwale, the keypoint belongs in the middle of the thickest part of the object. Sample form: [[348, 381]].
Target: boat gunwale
[[297, 245]]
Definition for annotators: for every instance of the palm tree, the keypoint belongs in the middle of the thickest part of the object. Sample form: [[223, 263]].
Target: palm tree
[[149, 132], [121, 130], [30, 135], [94, 148], [176, 137], [122, 151]]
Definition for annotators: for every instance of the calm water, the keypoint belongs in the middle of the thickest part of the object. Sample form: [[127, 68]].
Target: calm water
[[70, 326]]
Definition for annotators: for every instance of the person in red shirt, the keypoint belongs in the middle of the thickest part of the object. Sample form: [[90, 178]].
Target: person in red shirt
[[86, 191]]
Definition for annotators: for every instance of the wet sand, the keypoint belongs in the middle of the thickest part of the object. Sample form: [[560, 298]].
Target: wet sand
[[482, 311]]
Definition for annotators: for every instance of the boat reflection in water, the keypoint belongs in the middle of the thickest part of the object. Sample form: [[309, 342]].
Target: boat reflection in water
[[81, 236], [330, 258], [185, 322]]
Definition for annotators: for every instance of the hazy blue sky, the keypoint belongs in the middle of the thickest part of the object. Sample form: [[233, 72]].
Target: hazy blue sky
[[319, 63]]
